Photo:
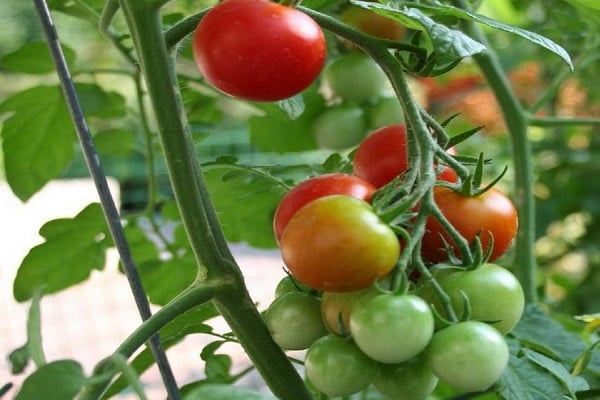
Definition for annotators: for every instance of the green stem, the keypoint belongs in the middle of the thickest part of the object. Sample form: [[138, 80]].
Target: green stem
[[562, 121], [517, 123], [198, 214]]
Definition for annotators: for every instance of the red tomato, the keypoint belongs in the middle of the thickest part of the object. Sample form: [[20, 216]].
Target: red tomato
[[337, 243], [314, 188], [491, 213], [258, 50], [383, 155]]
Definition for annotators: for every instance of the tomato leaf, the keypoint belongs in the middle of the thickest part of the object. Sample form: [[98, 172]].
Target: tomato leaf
[[449, 44], [115, 142], [224, 392], [446, 10], [276, 131], [38, 135], [558, 370], [34, 58], [57, 380], [245, 200], [72, 249]]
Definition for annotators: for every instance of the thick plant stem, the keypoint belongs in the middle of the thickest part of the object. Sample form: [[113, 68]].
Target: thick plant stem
[[517, 123], [198, 215]]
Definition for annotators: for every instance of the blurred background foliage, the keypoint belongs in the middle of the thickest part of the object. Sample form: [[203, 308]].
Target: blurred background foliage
[[567, 158]]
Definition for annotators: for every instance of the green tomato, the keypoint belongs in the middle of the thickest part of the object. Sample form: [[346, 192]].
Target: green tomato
[[410, 380], [287, 284], [294, 320], [386, 111], [495, 295], [469, 356], [392, 328], [336, 367], [340, 127], [355, 77]]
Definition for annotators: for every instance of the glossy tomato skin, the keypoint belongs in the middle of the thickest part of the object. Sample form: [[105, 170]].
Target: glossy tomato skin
[[489, 213], [337, 367], [382, 155], [258, 50], [410, 380], [391, 328], [469, 356], [314, 188], [337, 243], [495, 295], [294, 320]]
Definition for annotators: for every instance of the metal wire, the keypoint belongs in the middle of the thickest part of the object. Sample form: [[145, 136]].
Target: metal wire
[[108, 205]]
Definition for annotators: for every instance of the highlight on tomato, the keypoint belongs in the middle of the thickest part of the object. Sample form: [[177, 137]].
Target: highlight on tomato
[[491, 215], [258, 50], [337, 243], [314, 188]]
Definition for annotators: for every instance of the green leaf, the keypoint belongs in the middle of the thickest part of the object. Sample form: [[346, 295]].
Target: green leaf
[[293, 107], [88, 9], [115, 142], [38, 137], [275, 131], [163, 280], [34, 58], [224, 392], [188, 323], [450, 45], [245, 200], [73, 248], [525, 380], [558, 370], [58, 380], [446, 10]]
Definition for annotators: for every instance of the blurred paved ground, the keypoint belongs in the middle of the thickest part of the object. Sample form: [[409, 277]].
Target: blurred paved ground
[[88, 322]]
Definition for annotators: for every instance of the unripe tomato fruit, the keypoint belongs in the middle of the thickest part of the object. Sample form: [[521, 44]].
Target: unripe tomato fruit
[[337, 367], [314, 188], [339, 127], [391, 328], [488, 214], [469, 356], [495, 295], [355, 77], [258, 50], [337, 243], [410, 380], [294, 320], [336, 308]]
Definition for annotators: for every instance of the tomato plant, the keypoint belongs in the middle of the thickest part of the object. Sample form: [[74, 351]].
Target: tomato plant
[[494, 293], [337, 367], [258, 50], [294, 320], [491, 215], [386, 111], [340, 127], [337, 243], [336, 308], [410, 380], [469, 356], [391, 328], [354, 77], [314, 188]]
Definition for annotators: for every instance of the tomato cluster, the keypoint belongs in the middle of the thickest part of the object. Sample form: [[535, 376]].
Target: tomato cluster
[[392, 341], [339, 301], [258, 50]]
